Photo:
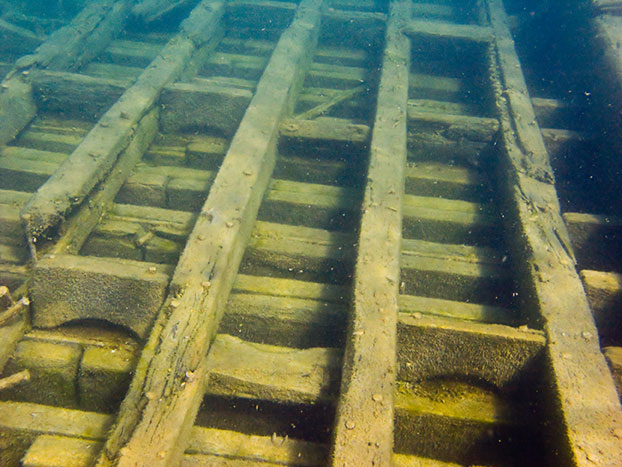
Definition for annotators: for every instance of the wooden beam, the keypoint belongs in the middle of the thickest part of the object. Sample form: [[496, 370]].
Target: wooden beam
[[96, 155], [79, 227], [69, 47], [446, 30], [363, 430], [153, 10], [158, 411], [584, 394], [82, 39]]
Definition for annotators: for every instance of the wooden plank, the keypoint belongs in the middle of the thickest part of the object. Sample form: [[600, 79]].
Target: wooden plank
[[78, 228], [455, 272], [98, 152], [67, 287], [82, 39], [298, 376], [414, 305], [454, 127], [71, 46], [363, 430], [17, 108], [577, 369], [153, 10], [185, 104], [596, 239], [441, 180], [497, 354], [77, 95], [329, 129], [446, 30], [604, 291], [63, 437], [151, 428]]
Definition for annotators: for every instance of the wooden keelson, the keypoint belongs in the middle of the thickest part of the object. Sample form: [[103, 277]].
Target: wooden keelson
[[350, 233]]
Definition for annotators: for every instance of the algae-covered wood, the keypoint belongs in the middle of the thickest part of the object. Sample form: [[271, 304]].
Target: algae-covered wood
[[158, 410], [363, 430], [578, 369]]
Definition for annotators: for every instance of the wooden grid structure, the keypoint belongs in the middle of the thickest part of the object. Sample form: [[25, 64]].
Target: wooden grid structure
[[296, 233]]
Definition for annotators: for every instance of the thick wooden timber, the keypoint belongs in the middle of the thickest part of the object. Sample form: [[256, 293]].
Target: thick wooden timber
[[311, 377], [158, 411], [453, 127], [324, 129], [604, 291], [433, 11], [67, 48], [181, 104], [597, 240], [445, 30], [363, 429], [68, 287], [152, 10], [54, 436], [586, 401], [82, 39], [432, 347], [98, 152], [78, 228]]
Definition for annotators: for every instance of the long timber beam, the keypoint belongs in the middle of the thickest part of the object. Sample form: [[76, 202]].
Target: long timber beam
[[66, 49], [582, 386], [363, 430], [95, 156], [160, 407]]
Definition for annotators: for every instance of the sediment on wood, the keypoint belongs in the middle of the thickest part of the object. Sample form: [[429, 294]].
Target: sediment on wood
[[157, 412], [95, 156], [363, 430], [577, 369]]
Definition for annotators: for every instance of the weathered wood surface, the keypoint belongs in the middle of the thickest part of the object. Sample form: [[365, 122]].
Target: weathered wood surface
[[17, 107], [153, 10], [445, 30], [82, 39], [94, 158], [86, 218], [588, 408], [363, 430], [68, 48], [72, 437], [160, 407]]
